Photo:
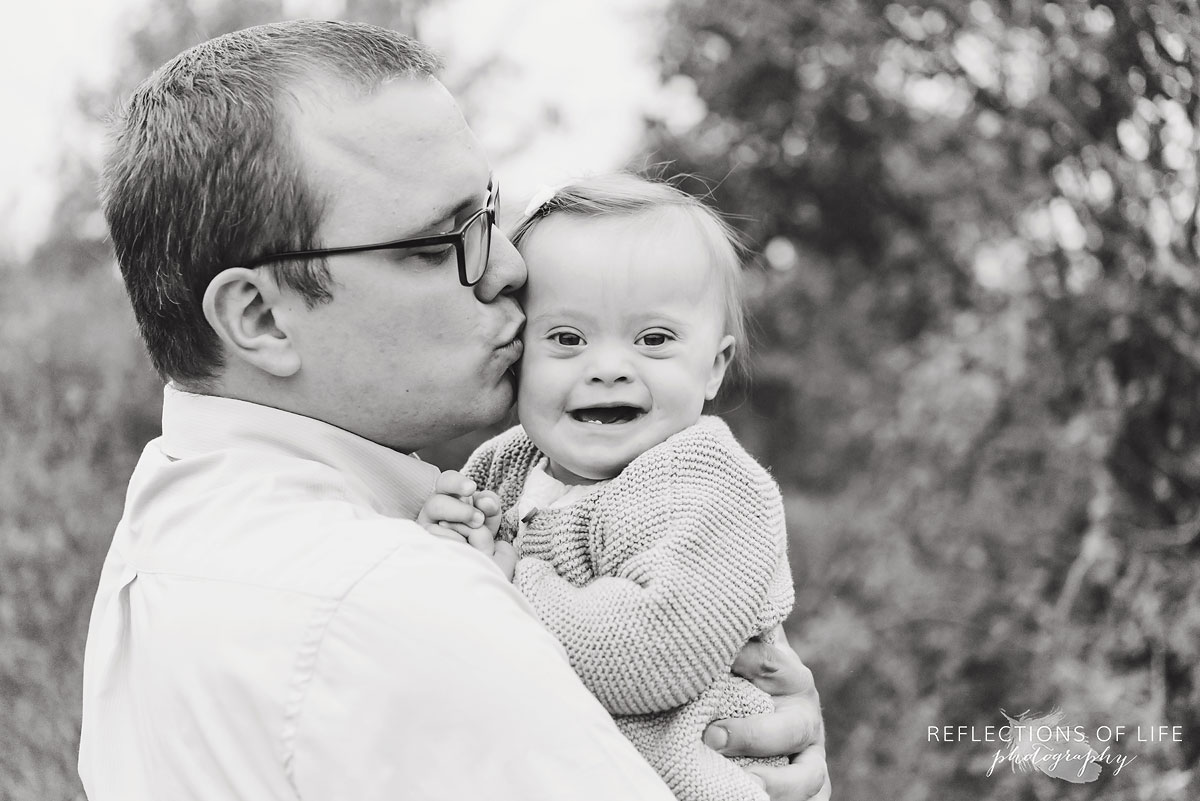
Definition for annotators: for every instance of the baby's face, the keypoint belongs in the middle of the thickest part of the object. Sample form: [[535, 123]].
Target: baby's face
[[624, 338]]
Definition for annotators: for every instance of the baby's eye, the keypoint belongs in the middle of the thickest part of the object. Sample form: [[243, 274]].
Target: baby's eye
[[567, 339], [654, 339]]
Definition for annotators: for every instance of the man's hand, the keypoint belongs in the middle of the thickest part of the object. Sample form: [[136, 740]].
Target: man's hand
[[794, 728], [458, 512]]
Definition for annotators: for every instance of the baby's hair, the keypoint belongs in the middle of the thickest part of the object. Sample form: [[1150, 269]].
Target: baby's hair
[[624, 194]]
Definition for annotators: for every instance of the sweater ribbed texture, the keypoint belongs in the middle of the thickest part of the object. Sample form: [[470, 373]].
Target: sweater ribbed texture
[[653, 583]]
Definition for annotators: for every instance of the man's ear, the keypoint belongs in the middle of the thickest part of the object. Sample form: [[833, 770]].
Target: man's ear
[[242, 306], [720, 364]]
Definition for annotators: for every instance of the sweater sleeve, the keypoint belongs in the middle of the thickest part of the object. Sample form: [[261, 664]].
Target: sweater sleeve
[[693, 540], [500, 465], [479, 465]]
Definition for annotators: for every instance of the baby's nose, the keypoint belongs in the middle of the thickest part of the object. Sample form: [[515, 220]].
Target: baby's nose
[[610, 368]]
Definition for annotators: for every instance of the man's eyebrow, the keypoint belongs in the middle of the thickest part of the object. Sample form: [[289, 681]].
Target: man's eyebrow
[[432, 226]]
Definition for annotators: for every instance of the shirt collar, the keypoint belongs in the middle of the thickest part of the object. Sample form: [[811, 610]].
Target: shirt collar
[[396, 484]]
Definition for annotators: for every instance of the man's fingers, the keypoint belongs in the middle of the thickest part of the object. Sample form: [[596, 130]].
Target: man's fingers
[[775, 671], [452, 482], [793, 726], [806, 779]]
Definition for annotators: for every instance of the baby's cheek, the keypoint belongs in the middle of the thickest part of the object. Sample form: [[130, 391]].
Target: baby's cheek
[[526, 364], [540, 374], [534, 402]]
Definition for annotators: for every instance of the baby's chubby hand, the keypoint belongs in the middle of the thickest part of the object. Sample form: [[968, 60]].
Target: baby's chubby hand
[[458, 511]]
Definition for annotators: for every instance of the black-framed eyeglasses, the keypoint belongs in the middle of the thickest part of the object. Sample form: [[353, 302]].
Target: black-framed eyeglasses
[[472, 242]]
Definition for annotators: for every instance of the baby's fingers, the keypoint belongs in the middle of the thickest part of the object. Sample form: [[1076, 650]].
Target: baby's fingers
[[444, 532], [505, 558], [452, 482], [448, 509], [481, 539], [487, 502]]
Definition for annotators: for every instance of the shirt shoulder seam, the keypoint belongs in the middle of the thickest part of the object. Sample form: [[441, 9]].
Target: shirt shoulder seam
[[302, 673], [305, 663]]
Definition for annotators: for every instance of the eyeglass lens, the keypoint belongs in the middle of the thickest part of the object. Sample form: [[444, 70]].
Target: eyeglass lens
[[477, 243], [477, 239]]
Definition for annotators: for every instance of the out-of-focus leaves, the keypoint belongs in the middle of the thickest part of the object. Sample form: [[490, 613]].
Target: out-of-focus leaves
[[975, 370], [77, 402]]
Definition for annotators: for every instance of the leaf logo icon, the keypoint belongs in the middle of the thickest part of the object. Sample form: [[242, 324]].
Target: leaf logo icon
[[1042, 742]]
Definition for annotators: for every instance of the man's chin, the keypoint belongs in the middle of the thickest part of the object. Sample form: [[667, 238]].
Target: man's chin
[[495, 406]]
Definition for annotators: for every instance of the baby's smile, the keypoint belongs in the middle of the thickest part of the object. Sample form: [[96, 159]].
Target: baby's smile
[[607, 414]]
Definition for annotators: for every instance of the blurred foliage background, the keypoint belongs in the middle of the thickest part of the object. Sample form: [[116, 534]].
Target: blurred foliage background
[[975, 371]]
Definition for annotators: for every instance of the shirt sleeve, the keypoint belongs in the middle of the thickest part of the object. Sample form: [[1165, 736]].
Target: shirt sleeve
[[693, 543], [432, 680]]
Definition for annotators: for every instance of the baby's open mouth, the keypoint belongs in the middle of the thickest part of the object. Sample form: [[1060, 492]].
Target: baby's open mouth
[[607, 415]]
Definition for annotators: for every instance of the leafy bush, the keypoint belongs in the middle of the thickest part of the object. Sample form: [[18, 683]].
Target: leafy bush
[[976, 368]]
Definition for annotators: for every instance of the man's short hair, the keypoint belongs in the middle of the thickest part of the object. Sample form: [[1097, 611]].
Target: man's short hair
[[201, 175]]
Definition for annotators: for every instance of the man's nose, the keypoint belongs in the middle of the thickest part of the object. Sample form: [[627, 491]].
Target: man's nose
[[505, 272]]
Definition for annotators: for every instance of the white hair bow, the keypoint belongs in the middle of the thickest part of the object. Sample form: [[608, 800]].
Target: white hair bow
[[541, 196]]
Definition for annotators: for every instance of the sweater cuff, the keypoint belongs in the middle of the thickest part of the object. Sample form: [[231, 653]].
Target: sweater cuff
[[537, 540]]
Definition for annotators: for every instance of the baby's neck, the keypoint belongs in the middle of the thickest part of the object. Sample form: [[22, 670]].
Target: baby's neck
[[564, 475]]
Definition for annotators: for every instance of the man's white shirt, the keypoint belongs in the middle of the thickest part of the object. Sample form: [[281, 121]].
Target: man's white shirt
[[271, 624]]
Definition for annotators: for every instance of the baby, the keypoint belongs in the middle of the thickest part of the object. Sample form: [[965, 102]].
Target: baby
[[649, 542]]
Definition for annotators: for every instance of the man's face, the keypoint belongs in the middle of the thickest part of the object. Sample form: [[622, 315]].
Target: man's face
[[403, 355]]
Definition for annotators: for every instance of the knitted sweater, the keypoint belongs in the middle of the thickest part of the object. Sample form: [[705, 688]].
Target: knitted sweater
[[653, 583]]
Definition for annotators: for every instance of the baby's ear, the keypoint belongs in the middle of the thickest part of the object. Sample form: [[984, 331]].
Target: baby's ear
[[719, 366]]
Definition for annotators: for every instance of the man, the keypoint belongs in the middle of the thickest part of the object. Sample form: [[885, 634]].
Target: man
[[270, 623]]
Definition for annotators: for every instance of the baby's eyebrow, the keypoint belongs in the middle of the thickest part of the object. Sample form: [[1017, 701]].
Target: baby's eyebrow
[[575, 316], [660, 318], [563, 315]]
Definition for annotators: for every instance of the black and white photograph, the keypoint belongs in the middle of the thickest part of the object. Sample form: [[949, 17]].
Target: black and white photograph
[[710, 400]]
